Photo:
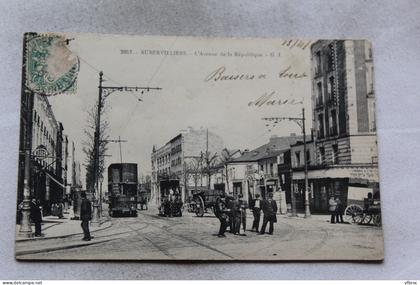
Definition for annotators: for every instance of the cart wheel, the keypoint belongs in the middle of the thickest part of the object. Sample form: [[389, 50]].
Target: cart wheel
[[199, 211], [377, 220], [353, 214], [366, 219]]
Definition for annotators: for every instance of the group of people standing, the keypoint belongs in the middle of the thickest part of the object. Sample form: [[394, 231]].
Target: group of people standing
[[336, 209], [232, 213]]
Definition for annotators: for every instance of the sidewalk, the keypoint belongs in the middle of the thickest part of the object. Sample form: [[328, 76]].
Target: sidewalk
[[53, 227], [54, 232]]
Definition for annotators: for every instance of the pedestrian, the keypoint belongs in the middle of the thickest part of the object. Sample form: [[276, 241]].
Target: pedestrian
[[332, 208], [60, 210], [36, 216], [222, 213], [229, 206], [243, 205], [236, 213], [269, 208], [85, 216], [339, 211], [256, 212], [368, 202]]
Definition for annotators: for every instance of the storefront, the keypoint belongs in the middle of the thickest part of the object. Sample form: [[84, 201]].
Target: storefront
[[350, 183]]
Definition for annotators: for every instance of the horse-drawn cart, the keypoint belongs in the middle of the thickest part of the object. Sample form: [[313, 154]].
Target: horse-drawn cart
[[356, 214], [203, 201]]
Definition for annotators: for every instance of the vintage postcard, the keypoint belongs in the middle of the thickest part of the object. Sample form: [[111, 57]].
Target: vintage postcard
[[182, 148]]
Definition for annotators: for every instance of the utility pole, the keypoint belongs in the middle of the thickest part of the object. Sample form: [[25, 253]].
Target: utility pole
[[104, 92], [207, 159], [25, 226], [301, 123]]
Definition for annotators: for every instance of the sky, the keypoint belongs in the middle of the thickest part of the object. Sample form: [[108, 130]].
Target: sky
[[193, 93]]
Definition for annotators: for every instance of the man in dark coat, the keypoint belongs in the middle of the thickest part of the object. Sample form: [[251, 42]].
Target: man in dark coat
[[243, 205], [85, 216], [222, 213], [236, 214], [339, 211], [36, 217], [256, 212], [269, 208], [229, 207]]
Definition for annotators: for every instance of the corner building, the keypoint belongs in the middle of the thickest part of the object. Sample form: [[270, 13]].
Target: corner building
[[343, 114]]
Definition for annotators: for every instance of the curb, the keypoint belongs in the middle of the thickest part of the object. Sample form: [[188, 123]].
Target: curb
[[35, 251], [64, 236]]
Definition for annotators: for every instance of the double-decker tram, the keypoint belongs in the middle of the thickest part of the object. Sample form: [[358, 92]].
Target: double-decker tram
[[122, 189]]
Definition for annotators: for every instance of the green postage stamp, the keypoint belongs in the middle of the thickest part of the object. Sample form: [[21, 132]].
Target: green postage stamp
[[51, 68]]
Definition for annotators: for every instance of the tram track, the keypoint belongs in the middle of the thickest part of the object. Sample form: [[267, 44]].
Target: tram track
[[167, 228], [288, 236], [319, 244]]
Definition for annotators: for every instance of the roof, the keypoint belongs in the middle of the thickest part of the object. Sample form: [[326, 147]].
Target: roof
[[300, 141], [274, 147]]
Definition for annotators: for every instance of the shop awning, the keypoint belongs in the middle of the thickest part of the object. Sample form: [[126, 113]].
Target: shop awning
[[366, 172], [56, 181]]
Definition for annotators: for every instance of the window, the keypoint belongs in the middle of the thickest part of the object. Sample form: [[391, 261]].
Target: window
[[327, 123], [333, 131], [335, 154], [318, 62], [322, 155], [262, 168], [271, 169], [297, 155], [308, 157], [281, 158], [319, 93], [331, 89], [320, 125]]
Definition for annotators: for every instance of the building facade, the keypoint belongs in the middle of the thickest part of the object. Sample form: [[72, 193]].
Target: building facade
[[257, 171], [180, 164], [343, 113], [46, 170]]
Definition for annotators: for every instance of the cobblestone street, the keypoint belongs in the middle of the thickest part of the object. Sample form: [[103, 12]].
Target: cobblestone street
[[149, 236]]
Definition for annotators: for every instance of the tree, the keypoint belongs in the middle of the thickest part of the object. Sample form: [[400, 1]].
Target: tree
[[225, 157], [89, 145], [193, 167], [210, 161]]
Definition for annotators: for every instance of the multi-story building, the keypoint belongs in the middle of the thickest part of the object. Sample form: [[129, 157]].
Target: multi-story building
[[46, 182], [343, 109], [180, 163], [256, 171], [161, 166]]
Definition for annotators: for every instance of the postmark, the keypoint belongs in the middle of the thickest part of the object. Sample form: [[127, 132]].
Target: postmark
[[51, 68]]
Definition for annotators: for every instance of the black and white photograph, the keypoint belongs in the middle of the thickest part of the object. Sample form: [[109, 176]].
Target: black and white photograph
[[197, 148]]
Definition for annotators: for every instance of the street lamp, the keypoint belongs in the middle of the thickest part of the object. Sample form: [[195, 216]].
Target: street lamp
[[301, 123]]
